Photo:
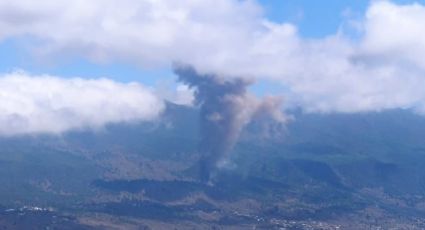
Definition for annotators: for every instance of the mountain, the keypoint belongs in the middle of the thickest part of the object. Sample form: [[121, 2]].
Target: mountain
[[318, 171]]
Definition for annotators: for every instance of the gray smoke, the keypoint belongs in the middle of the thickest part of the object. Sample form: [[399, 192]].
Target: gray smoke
[[225, 108]]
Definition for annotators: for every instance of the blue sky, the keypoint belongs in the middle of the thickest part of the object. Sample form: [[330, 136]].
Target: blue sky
[[380, 66], [314, 19]]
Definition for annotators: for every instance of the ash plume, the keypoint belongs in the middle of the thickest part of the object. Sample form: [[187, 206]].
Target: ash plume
[[225, 108]]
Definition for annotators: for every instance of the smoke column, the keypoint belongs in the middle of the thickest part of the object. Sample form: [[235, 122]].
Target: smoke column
[[225, 108]]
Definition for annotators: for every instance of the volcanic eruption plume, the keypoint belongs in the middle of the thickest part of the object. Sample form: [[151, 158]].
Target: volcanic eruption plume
[[225, 108]]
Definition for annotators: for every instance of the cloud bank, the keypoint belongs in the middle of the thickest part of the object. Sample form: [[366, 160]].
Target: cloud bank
[[48, 104], [382, 67]]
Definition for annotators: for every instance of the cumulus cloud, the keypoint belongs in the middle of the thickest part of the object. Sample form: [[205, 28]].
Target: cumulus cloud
[[383, 68], [395, 33], [144, 32], [48, 104], [179, 94]]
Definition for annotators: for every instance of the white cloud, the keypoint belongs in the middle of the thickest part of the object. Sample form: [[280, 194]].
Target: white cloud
[[146, 31], [395, 33], [48, 104], [383, 68], [179, 94]]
